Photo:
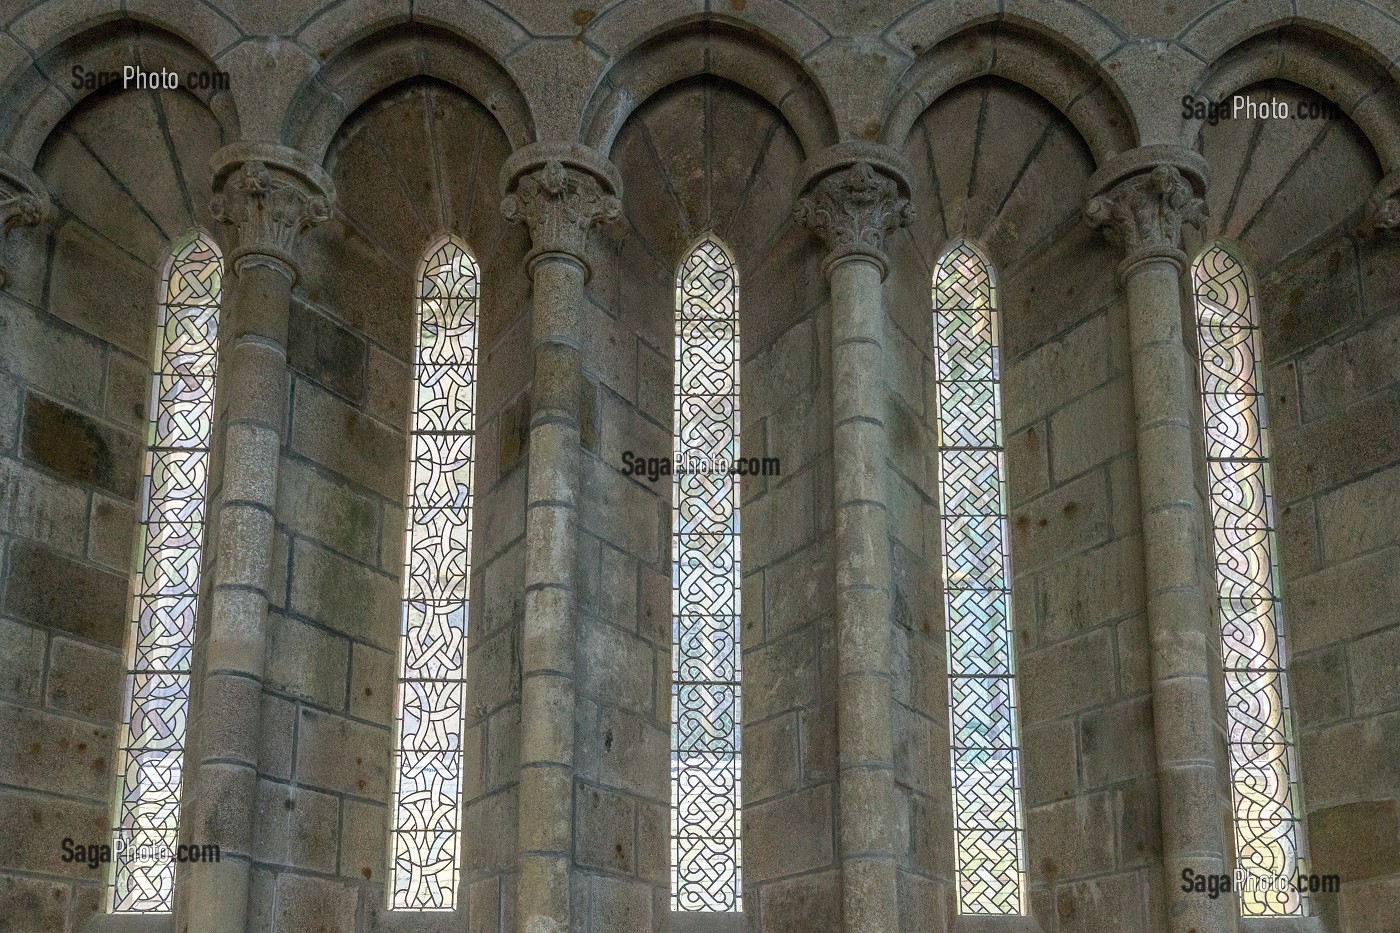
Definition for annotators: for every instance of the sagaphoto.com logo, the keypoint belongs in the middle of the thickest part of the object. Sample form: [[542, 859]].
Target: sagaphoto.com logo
[[654, 469]]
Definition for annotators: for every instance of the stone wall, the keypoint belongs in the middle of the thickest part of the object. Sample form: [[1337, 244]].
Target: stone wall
[[708, 115], [1290, 202]]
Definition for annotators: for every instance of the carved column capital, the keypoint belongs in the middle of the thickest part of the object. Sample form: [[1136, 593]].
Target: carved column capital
[[1143, 214], [1388, 215], [853, 209], [272, 194], [24, 202], [560, 202]]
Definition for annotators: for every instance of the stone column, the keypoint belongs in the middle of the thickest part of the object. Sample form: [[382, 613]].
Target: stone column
[[559, 193], [1142, 200], [271, 195], [23, 203], [857, 197]]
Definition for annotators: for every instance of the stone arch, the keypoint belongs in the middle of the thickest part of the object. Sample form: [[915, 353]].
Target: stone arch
[[1027, 55], [41, 96], [1340, 68], [390, 57], [709, 47]]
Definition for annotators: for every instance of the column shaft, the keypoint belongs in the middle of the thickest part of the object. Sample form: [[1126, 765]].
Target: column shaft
[[1181, 631], [253, 391], [867, 798], [551, 620]]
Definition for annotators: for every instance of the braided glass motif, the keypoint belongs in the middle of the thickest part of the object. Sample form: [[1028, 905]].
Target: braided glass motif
[[1263, 764], [706, 801], [425, 842], [165, 580], [987, 810]]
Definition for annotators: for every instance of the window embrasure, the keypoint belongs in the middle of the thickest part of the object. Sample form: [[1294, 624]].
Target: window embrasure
[[987, 809], [1263, 764], [425, 841]]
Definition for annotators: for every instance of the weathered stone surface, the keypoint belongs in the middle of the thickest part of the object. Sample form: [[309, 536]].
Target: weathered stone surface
[[306, 662], [1373, 663], [42, 751], [1071, 838], [1090, 589], [326, 352], [1337, 375], [35, 505], [606, 829], [789, 835], [315, 504], [1345, 600], [21, 812], [1356, 840], [348, 442], [339, 593], [296, 827], [340, 755], [49, 589], [1067, 677], [1356, 518], [78, 448], [84, 680]]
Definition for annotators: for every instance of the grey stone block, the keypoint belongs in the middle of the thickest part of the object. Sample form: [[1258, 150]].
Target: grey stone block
[[340, 755], [326, 352], [21, 660], [296, 827], [49, 589], [85, 680], [306, 662], [80, 449], [43, 751], [35, 505]]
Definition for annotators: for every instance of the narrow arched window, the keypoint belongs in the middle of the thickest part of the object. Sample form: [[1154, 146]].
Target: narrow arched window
[[1263, 767], [165, 576], [987, 814], [706, 723], [425, 841]]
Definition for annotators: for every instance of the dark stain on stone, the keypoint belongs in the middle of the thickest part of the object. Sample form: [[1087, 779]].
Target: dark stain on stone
[[99, 765], [738, 5], [35, 748], [1042, 523], [369, 691], [1022, 523], [1051, 870], [366, 872], [608, 740], [1071, 509], [78, 448], [583, 17], [289, 803]]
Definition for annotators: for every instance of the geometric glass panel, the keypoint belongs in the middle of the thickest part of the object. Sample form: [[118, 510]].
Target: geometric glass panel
[[165, 577], [706, 723], [1263, 761], [988, 821], [430, 711]]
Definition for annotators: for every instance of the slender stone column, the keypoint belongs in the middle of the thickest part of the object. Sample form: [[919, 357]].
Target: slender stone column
[[271, 195], [1144, 199], [23, 203], [853, 207], [560, 194]]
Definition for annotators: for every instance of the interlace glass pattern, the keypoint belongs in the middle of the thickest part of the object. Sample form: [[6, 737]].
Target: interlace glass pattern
[[1262, 760], [706, 802], [988, 820], [426, 839], [165, 579]]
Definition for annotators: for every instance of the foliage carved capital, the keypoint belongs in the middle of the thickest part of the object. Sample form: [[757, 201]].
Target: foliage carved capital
[[272, 198], [560, 205], [1143, 214], [24, 202], [853, 210]]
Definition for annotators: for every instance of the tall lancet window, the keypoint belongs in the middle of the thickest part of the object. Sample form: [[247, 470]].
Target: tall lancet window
[[165, 576], [706, 802], [1263, 768], [425, 841], [987, 814]]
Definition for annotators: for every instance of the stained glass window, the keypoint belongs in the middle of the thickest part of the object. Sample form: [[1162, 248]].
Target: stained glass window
[[706, 860], [987, 814], [1263, 766], [426, 834], [165, 578]]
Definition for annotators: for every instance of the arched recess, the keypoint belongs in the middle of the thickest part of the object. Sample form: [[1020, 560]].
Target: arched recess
[[414, 164], [704, 159], [362, 70], [1338, 68], [1025, 54], [39, 98], [1001, 164], [1291, 197], [709, 47]]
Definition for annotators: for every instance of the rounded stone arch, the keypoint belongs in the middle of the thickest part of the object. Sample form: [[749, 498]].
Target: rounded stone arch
[[392, 56], [1023, 53], [716, 47], [1339, 67], [41, 96]]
